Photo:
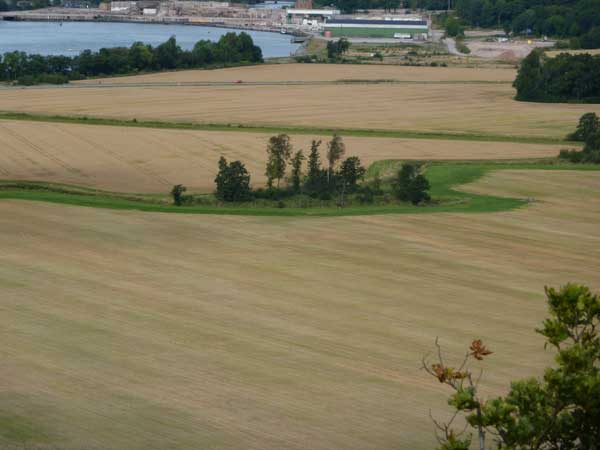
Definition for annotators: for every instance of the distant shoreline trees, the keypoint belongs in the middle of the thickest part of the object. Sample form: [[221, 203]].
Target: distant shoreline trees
[[577, 20], [230, 49]]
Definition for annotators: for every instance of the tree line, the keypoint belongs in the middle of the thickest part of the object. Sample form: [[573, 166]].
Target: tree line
[[575, 19], [230, 49], [327, 177], [564, 78], [14, 5], [588, 132]]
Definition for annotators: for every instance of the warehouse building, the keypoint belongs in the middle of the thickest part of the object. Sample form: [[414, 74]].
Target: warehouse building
[[406, 28]]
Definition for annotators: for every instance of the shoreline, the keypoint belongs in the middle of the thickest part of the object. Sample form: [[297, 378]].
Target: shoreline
[[28, 16]]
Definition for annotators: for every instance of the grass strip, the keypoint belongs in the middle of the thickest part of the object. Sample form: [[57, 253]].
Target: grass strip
[[275, 129], [444, 177]]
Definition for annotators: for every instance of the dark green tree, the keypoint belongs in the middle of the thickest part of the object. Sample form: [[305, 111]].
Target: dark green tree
[[559, 411], [297, 160], [140, 56], [335, 150], [316, 178], [588, 125], [233, 182], [279, 151], [529, 81], [167, 54], [351, 172], [335, 49], [410, 185], [453, 27], [177, 194]]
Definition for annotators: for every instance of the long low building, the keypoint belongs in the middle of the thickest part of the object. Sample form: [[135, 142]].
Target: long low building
[[377, 28]]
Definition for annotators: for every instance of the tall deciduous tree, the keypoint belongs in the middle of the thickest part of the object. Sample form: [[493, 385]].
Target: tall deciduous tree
[[351, 172], [297, 170], [559, 411], [233, 182], [315, 176], [335, 150], [279, 150], [588, 125]]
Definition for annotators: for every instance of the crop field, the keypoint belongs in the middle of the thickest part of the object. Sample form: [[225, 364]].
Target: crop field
[[140, 330], [153, 160], [137, 330], [461, 107], [320, 72]]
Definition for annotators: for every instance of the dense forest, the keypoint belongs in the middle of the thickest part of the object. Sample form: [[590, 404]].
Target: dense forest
[[231, 49], [577, 19], [12, 5], [564, 78]]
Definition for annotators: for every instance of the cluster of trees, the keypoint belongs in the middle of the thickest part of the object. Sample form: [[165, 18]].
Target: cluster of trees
[[13, 5], [588, 132], [231, 49], [559, 411], [564, 78], [335, 49], [331, 178], [576, 19]]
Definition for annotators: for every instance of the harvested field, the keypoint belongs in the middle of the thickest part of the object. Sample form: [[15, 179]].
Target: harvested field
[[319, 72], [469, 108], [152, 160], [136, 330]]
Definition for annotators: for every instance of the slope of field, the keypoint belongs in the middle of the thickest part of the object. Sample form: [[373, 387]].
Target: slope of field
[[138, 331], [153, 160], [467, 108], [319, 72]]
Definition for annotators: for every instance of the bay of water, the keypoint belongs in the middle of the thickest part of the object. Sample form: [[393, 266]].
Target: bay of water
[[71, 38]]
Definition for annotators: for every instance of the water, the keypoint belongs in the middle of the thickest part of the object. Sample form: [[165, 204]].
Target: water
[[71, 38]]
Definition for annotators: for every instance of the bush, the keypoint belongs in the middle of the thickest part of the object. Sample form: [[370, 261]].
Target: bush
[[462, 47]]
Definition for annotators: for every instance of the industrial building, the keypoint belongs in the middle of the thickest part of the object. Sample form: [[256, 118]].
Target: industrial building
[[405, 28]]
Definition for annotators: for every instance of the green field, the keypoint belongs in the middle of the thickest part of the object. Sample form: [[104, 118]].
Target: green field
[[445, 178], [371, 32]]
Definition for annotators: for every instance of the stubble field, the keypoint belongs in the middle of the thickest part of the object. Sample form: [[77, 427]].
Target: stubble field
[[319, 72], [131, 330], [462, 107], [153, 160], [152, 331]]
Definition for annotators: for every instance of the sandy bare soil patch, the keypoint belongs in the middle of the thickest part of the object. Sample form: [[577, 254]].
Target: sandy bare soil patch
[[153, 160], [320, 72], [463, 107], [136, 330], [505, 50]]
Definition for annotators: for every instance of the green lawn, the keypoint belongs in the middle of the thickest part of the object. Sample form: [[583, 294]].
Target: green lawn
[[445, 178]]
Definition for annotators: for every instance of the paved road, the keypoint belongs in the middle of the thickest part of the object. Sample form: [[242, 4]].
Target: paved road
[[451, 44]]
